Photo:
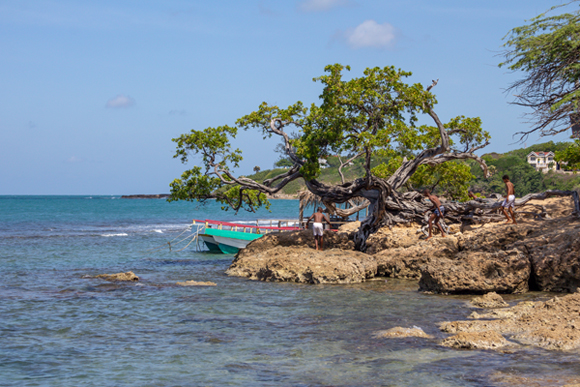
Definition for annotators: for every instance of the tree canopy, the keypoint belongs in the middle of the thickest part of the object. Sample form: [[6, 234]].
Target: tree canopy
[[547, 50], [375, 115]]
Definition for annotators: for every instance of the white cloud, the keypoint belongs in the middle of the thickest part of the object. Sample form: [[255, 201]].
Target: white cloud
[[321, 5], [120, 101], [371, 34]]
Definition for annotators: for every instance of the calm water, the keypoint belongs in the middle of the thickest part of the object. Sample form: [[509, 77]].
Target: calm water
[[59, 329]]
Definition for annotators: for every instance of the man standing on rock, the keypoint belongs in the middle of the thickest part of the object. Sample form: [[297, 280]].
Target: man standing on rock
[[438, 213], [510, 199], [318, 228]]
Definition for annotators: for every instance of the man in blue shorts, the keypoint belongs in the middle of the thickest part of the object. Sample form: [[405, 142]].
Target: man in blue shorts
[[438, 213]]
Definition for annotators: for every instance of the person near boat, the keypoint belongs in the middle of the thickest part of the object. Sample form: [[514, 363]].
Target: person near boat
[[318, 227]]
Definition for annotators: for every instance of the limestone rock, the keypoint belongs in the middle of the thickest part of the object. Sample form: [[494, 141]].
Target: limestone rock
[[196, 283], [302, 264], [475, 340], [477, 272], [554, 253], [397, 237], [553, 324], [300, 238], [349, 227], [489, 300], [128, 276], [406, 262], [398, 332]]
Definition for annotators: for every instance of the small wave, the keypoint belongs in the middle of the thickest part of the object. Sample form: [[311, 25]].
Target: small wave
[[114, 235], [159, 231]]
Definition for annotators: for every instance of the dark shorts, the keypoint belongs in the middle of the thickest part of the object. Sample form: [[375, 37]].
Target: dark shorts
[[442, 210]]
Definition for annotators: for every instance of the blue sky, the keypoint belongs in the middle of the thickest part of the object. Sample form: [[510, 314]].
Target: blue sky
[[93, 92]]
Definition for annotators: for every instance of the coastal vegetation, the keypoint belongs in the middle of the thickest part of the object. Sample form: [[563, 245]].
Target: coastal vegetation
[[375, 115]]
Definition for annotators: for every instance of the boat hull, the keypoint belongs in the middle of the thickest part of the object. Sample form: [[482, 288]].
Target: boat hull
[[210, 243], [230, 242]]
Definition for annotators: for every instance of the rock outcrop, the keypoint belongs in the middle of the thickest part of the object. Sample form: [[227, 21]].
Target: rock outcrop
[[306, 265], [501, 258], [489, 301], [477, 272], [128, 276], [400, 332], [301, 238], [196, 283], [476, 340], [553, 324]]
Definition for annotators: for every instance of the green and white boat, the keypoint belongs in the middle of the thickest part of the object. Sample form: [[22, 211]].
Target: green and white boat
[[229, 242]]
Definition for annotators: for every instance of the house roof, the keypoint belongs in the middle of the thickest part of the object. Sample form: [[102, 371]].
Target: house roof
[[541, 154]]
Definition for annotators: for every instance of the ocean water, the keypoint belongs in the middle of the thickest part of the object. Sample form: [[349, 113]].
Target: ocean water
[[60, 329]]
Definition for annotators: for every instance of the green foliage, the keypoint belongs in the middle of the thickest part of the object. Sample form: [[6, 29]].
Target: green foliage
[[450, 179], [283, 162], [548, 50], [524, 177], [570, 155], [376, 114]]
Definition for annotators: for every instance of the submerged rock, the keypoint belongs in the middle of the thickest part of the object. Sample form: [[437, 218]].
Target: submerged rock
[[553, 324], [489, 301], [303, 264], [398, 332], [196, 283], [476, 340], [128, 276]]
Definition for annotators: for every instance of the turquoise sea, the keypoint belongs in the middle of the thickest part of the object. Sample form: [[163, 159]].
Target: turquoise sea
[[60, 329]]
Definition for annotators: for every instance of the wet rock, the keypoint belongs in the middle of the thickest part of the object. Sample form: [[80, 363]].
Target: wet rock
[[305, 265], [476, 340], [399, 332], [553, 324], [489, 301], [547, 378], [128, 276], [196, 283]]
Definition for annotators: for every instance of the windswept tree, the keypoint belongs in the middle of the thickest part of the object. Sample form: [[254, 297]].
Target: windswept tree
[[377, 114], [547, 52]]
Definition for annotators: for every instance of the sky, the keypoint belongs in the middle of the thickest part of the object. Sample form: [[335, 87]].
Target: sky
[[91, 93]]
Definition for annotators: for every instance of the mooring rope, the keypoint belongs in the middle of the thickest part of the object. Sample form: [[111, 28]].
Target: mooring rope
[[169, 243]]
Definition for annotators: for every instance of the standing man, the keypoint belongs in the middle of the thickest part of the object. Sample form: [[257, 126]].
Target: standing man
[[318, 227], [510, 199], [438, 213]]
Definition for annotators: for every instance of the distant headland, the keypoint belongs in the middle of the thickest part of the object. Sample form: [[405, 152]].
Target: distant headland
[[158, 196]]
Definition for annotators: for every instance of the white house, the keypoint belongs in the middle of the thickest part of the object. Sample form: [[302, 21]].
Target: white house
[[542, 161]]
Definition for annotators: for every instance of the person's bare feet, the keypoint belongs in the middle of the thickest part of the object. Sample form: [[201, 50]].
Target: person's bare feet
[[508, 221], [444, 235], [429, 237]]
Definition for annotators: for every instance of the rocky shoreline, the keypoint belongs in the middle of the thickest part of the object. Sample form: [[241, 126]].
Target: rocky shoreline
[[503, 258]]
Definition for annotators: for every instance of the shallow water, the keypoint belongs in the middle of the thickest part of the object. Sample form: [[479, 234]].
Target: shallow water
[[58, 328]]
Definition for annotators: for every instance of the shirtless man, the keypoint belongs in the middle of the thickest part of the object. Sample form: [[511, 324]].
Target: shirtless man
[[318, 227], [510, 199], [438, 213]]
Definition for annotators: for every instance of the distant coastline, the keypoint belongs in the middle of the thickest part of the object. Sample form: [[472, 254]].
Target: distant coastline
[[157, 196]]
